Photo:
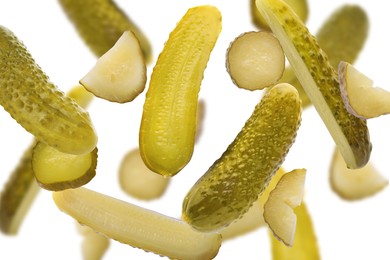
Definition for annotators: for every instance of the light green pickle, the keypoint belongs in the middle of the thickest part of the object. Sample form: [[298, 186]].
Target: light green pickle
[[235, 181], [100, 23], [319, 80], [341, 37], [37, 105]]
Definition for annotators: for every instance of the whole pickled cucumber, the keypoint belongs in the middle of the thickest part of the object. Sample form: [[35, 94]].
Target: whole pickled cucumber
[[37, 105], [319, 80], [168, 125], [100, 23], [341, 37], [230, 186]]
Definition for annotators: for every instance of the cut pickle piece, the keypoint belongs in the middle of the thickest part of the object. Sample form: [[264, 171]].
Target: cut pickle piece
[[319, 80], [341, 37], [235, 181], [18, 195], [100, 23], [305, 241], [255, 60], [279, 208], [253, 218], [94, 245], [58, 171], [300, 7], [139, 181], [120, 74], [168, 126], [355, 184], [82, 97], [38, 105], [137, 226], [360, 96]]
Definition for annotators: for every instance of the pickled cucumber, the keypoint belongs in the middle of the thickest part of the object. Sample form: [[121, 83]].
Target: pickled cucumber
[[37, 105], [319, 80], [300, 7], [17, 195], [231, 185], [100, 23], [168, 125], [137, 226], [341, 37]]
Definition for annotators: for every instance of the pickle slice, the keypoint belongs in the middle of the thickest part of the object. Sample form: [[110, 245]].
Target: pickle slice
[[139, 181], [136, 226], [255, 60], [305, 245], [168, 126], [319, 80], [279, 208], [37, 105], [58, 171], [235, 181], [360, 96], [341, 37], [356, 184], [100, 23]]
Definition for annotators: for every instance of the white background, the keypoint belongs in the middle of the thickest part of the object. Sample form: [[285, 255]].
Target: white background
[[345, 230]]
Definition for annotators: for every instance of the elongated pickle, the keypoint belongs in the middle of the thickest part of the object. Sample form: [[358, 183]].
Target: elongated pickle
[[231, 185], [100, 23], [341, 37], [319, 80], [17, 195], [168, 125], [305, 245], [136, 226], [37, 105]]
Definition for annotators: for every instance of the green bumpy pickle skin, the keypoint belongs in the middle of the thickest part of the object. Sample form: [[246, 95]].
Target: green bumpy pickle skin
[[20, 189], [235, 181], [37, 105], [168, 126], [319, 80], [341, 37], [100, 23]]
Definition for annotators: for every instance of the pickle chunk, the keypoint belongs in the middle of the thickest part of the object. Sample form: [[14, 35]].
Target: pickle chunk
[[37, 105], [235, 181]]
